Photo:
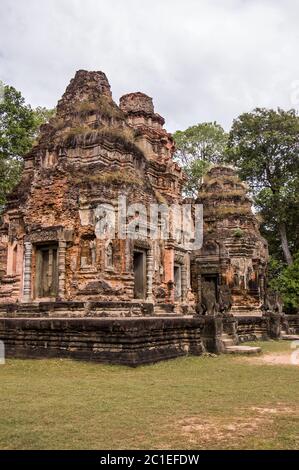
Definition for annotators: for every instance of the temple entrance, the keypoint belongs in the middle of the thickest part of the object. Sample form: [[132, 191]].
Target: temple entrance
[[211, 280], [139, 264], [177, 282], [46, 271]]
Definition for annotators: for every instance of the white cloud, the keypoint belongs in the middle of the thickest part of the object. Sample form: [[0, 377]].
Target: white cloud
[[200, 60]]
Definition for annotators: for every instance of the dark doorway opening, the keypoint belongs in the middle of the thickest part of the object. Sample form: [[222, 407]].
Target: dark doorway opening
[[139, 263], [46, 271]]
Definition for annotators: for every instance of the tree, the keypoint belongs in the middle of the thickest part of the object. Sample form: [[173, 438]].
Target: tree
[[285, 203], [19, 124], [197, 148], [287, 284], [264, 146], [42, 115]]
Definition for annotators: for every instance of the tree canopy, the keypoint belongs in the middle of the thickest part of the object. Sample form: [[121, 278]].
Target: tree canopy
[[286, 282], [19, 124], [264, 146], [197, 148]]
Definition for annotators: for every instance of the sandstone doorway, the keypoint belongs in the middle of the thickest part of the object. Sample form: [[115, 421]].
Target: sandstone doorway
[[139, 265], [212, 281], [177, 282], [46, 271]]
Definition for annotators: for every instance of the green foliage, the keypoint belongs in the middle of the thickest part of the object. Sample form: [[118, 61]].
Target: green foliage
[[195, 171], [103, 104], [238, 233], [275, 267], [277, 207], [205, 141], [197, 148], [263, 145], [224, 211], [19, 124], [43, 115], [287, 284]]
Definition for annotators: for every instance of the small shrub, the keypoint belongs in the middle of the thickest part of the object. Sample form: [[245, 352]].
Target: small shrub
[[160, 198], [222, 195], [222, 212], [238, 233], [104, 105]]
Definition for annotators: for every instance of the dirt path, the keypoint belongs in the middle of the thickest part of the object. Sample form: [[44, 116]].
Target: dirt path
[[274, 359]]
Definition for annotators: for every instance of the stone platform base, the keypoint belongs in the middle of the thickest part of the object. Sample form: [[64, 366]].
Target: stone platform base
[[42, 331], [75, 309], [117, 341]]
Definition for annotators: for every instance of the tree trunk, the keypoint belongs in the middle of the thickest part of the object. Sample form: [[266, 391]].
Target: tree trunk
[[284, 243]]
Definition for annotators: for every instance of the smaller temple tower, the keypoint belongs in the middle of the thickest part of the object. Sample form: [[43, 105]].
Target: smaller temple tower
[[228, 273]]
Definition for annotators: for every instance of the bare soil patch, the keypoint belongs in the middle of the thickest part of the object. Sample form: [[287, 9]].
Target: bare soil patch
[[217, 430], [273, 359]]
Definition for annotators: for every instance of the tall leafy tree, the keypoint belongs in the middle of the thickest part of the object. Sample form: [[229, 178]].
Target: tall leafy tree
[[287, 284], [264, 146], [42, 115], [19, 125], [197, 148]]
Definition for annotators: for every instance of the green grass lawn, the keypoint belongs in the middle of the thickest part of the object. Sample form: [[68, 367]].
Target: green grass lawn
[[219, 402]]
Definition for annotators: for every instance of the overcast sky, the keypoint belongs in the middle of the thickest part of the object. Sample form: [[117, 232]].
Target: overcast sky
[[201, 60]]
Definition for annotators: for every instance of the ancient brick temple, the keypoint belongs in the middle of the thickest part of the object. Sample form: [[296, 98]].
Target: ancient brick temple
[[92, 179], [88, 155], [229, 271]]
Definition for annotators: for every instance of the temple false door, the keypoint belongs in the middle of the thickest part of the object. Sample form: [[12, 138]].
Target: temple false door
[[211, 281], [47, 271], [178, 282], [139, 266]]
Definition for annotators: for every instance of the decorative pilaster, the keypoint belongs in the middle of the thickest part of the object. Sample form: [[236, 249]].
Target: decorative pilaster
[[262, 288], [169, 272], [61, 268], [149, 275], [184, 282], [27, 272], [199, 293]]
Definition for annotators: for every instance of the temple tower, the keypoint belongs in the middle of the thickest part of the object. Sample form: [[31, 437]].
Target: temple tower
[[231, 265]]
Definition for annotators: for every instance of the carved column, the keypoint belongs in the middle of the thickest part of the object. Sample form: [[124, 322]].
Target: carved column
[[199, 288], [184, 282], [169, 272], [128, 255], [61, 268], [149, 275], [27, 272], [262, 288]]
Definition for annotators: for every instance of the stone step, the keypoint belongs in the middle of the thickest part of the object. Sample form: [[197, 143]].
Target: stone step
[[166, 309], [290, 337], [246, 311], [227, 342], [242, 350], [162, 312]]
